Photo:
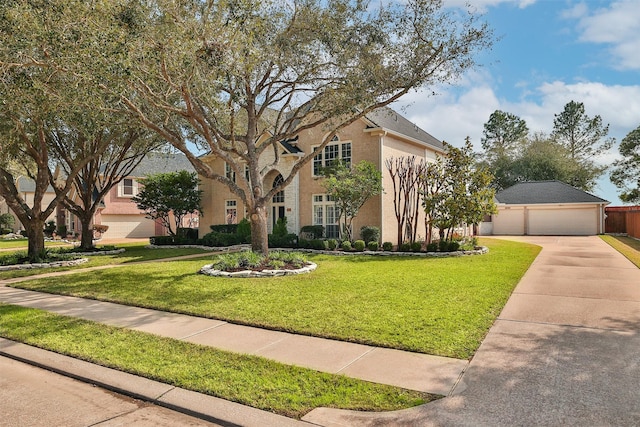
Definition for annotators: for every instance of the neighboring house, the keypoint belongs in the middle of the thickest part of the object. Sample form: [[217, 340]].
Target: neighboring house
[[380, 135], [27, 188], [120, 213], [546, 208]]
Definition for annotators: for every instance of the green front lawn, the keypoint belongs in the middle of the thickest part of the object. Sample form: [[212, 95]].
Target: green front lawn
[[249, 380], [627, 246], [135, 252], [436, 306], [23, 243]]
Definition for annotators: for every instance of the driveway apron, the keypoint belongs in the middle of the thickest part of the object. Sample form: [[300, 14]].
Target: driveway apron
[[564, 351]]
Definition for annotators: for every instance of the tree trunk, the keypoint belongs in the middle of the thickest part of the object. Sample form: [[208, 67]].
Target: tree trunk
[[86, 240], [35, 234], [259, 230]]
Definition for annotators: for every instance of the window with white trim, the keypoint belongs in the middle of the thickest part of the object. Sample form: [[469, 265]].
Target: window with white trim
[[231, 212], [325, 212], [229, 172], [128, 187], [335, 151]]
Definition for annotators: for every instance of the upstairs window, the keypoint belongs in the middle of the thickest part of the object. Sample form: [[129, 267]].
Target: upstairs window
[[335, 151], [128, 187], [229, 172]]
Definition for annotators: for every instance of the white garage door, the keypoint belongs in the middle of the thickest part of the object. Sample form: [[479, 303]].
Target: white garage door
[[122, 226], [509, 222], [563, 222]]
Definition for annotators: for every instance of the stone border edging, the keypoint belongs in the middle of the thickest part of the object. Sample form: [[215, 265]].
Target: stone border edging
[[205, 248], [480, 250], [113, 252], [210, 271], [67, 263]]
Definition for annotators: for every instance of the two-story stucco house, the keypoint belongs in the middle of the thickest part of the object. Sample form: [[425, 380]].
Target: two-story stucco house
[[380, 135]]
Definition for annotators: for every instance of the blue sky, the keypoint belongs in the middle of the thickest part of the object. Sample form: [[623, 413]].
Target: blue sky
[[549, 53]]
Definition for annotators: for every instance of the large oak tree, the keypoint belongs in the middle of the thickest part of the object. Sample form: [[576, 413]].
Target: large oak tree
[[235, 77]]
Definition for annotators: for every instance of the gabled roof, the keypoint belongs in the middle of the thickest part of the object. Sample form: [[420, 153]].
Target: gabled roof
[[387, 118], [541, 192], [27, 185], [158, 162]]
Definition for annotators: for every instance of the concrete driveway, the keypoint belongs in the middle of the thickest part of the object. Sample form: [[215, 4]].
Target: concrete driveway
[[564, 351]]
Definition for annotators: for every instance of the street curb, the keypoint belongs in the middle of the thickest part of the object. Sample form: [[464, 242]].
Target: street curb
[[205, 407]]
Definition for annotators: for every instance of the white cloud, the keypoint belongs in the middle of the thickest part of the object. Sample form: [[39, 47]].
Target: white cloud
[[617, 25], [483, 5], [462, 111]]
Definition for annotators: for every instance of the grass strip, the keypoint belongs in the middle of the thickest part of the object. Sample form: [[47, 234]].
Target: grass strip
[[439, 306], [627, 246], [135, 252], [249, 380]]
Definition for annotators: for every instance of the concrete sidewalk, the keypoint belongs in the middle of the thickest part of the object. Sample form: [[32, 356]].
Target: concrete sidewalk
[[564, 351]]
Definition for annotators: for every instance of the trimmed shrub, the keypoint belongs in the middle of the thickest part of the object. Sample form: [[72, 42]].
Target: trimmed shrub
[[370, 233], [243, 230], [190, 234], [286, 241], [373, 246], [387, 246], [432, 247], [225, 228], [333, 244], [359, 245], [453, 246], [319, 244], [316, 230], [346, 245], [280, 229], [405, 247], [217, 239], [416, 246], [443, 245]]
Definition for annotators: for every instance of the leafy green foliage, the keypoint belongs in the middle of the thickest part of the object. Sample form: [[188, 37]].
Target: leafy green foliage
[[6, 220], [350, 188], [370, 233], [346, 245], [316, 230], [387, 246], [502, 134], [456, 191], [359, 245], [253, 260], [373, 246], [626, 171], [244, 230], [167, 195]]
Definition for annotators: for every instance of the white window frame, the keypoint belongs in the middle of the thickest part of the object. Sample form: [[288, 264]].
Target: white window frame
[[229, 172], [320, 159], [121, 188], [326, 206], [231, 208]]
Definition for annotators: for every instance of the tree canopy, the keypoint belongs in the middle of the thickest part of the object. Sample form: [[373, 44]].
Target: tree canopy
[[169, 197], [350, 188], [626, 171], [502, 134], [236, 78]]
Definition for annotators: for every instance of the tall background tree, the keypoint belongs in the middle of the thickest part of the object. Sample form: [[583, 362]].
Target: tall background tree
[[235, 78], [350, 188], [626, 171]]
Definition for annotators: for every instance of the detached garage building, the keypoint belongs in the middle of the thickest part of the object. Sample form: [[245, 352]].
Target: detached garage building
[[550, 208]]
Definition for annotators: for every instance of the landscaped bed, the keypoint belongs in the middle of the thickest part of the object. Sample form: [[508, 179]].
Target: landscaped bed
[[436, 306], [249, 380]]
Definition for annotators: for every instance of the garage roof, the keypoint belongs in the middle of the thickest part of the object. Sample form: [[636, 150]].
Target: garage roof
[[540, 192]]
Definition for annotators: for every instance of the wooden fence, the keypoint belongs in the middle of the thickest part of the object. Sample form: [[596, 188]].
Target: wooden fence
[[623, 220]]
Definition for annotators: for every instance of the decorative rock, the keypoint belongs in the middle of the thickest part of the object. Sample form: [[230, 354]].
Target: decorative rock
[[210, 271], [44, 265]]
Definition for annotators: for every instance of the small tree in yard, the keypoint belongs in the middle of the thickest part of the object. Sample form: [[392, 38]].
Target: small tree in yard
[[350, 188], [6, 221], [455, 192], [165, 194]]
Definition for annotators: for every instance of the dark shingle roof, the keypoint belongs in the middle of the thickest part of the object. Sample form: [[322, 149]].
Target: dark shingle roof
[[155, 162], [540, 192], [387, 118], [27, 185]]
